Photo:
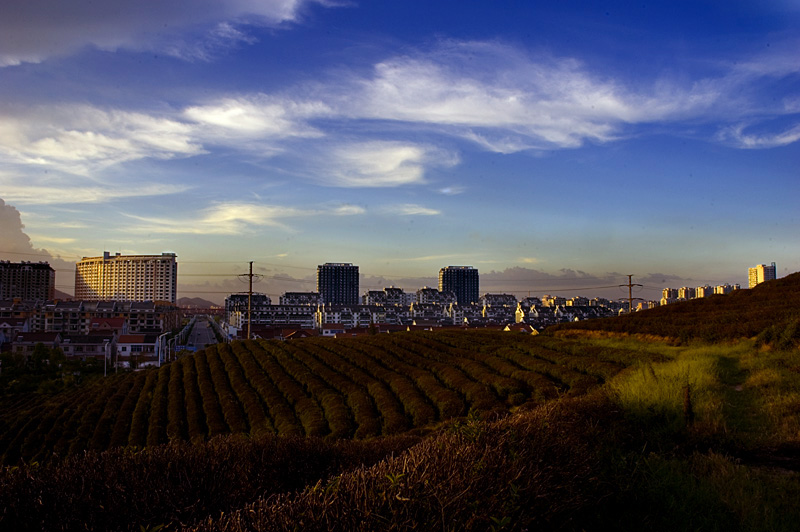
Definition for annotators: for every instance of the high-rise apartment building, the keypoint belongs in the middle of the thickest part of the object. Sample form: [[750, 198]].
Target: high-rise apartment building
[[462, 281], [337, 283], [27, 280], [759, 274], [127, 278]]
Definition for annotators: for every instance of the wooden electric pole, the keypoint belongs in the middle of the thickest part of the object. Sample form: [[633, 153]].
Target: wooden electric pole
[[630, 286], [250, 300], [250, 277]]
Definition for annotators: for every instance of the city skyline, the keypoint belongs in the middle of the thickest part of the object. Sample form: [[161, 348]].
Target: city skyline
[[555, 149], [300, 288]]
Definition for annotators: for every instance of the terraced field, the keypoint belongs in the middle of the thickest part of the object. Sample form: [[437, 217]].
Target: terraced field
[[353, 388]]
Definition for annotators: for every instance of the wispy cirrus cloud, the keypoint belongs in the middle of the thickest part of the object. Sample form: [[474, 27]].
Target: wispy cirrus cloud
[[233, 218], [411, 209], [34, 30], [508, 99], [80, 139], [62, 190], [737, 136]]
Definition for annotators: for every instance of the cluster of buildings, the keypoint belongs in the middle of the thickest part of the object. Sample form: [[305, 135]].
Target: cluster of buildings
[[755, 275], [336, 308], [123, 306], [673, 295], [127, 331]]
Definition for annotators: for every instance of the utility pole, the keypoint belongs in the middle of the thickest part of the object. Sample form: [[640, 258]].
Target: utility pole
[[250, 277], [250, 300], [630, 286]]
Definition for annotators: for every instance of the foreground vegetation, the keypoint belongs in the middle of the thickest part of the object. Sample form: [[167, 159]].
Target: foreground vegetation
[[585, 429]]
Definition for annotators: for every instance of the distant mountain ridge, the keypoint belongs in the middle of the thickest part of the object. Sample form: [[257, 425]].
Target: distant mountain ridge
[[195, 302]]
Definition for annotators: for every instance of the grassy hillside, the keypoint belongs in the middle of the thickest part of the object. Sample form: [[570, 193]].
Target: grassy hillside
[[771, 309], [357, 388]]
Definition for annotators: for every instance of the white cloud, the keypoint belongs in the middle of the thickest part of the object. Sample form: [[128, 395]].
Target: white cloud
[[428, 258], [477, 89], [410, 209], [736, 135], [508, 100], [52, 239], [377, 164], [59, 190], [348, 210], [452, 190], [33, 30], [80, 139], [235, 218], [256, 117], [220, 39]]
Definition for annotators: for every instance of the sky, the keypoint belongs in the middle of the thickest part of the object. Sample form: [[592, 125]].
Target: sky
[[555, 146]]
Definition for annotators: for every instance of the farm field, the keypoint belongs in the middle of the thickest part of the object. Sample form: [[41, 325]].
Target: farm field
[[355, 388]]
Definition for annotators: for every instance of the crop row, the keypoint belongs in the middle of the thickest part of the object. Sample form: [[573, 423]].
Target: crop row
[[352, 388]]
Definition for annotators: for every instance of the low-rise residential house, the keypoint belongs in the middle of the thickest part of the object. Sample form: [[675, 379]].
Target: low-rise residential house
[[427, 295], [349, 316], [18, 308], [274, 316], [82, 317], [499, 313], [578, 302], [65, 316], [85, 346], [553, 301], [136, 351], [468, 314], [108, 325], [300, 298], [374, 297], [9, 329], [429, 311], [330, 330], [504, 300], [425, 325], [397, 296], [25, 342]]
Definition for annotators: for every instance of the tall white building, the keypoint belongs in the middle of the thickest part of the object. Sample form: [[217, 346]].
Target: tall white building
[[759, 274], [127, 278]]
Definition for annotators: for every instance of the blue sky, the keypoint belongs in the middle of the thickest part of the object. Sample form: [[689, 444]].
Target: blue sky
[[555, 146]]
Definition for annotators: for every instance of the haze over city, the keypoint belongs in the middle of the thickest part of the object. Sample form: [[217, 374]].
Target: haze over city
[[556, 148]]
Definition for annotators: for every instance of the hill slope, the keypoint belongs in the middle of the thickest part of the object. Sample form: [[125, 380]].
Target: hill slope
[[742, 314]]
